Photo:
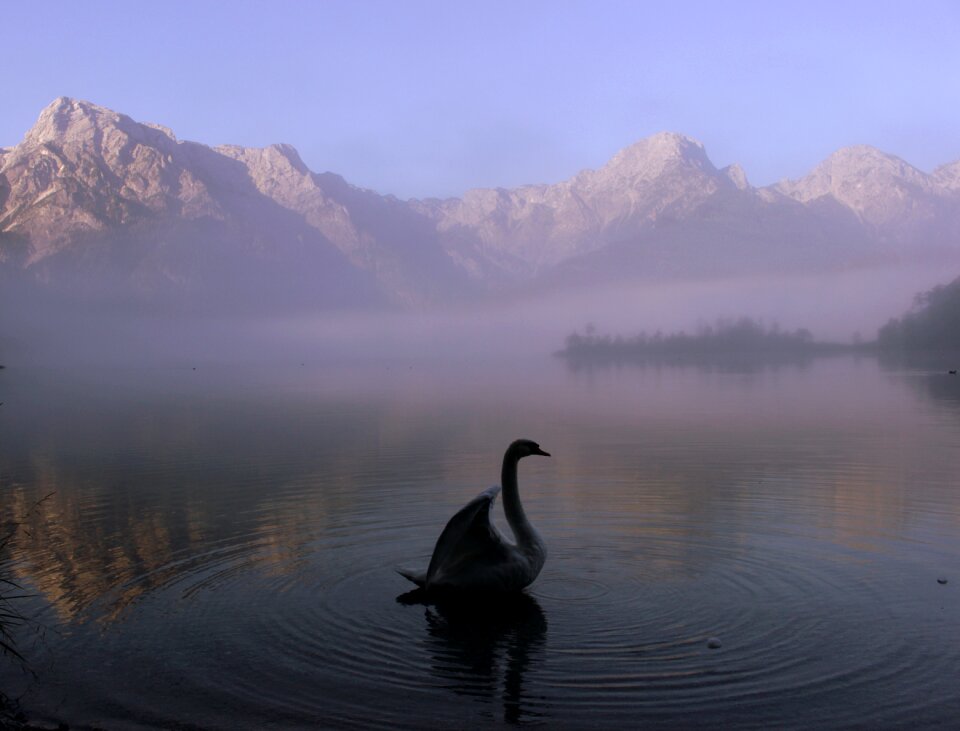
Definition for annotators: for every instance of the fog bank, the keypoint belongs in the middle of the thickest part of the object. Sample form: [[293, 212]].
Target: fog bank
[[832, 307]]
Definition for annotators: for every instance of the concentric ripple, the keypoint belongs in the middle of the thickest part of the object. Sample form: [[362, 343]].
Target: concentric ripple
[[220, 577], [619, 632]]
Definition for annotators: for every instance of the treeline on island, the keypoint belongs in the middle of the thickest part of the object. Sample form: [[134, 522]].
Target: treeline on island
[[725, 338], [933, 324]]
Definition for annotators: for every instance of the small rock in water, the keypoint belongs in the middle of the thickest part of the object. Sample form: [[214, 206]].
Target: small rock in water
[[941, 580], [714, 643]]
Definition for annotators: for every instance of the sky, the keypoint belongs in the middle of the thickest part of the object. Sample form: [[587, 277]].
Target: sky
[[423, 99]]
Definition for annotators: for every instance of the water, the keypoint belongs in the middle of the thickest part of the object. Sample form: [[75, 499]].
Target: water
[[217, 547]]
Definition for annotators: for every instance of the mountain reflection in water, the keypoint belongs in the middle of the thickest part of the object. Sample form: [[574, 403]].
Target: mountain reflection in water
[[218, 547]]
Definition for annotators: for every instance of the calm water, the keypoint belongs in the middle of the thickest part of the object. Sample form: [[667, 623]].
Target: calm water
[[217, 546]]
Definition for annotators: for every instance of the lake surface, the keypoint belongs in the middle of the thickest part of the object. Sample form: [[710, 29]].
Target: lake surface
[[217, 545]]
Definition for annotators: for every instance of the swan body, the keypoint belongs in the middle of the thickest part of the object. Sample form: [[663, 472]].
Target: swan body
[[471, 554]]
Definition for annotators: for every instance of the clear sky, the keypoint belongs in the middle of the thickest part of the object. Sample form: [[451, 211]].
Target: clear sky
[[432, 98]]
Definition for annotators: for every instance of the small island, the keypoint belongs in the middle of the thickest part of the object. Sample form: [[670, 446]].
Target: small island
[[929, 330], [725, 340]]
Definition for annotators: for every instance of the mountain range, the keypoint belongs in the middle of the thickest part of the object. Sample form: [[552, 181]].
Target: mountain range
[[96, 205]]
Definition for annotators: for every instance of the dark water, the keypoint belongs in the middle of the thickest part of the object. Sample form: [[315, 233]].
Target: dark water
[[217, 547]]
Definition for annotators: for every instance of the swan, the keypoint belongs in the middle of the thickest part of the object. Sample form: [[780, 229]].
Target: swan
[[472, 554]]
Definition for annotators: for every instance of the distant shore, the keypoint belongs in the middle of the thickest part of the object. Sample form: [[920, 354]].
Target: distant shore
[[740, 340]]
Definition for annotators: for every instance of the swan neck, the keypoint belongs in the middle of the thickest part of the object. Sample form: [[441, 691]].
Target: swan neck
[[512, 507]]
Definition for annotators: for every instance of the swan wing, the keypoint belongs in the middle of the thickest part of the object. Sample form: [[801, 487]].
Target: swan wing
[[469, 543]]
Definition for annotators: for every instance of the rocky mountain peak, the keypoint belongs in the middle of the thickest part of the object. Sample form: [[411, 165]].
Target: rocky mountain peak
[[274, 160], [161, 128], [883, 190], [853, 173], [651, 156], [867, 160], [290, 154], [948, 176], [736, 175], [74, 122], [70, 119]]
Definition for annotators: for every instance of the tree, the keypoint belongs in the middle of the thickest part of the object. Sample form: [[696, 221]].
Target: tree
[[933, 323]]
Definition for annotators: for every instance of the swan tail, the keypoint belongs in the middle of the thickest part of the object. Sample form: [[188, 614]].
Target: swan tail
[[417, 577]]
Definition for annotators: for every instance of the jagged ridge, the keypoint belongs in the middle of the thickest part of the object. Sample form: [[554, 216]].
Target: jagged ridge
[[90, 190]]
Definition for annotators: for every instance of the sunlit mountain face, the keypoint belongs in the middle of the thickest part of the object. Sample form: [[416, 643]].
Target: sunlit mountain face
[[94, 205]]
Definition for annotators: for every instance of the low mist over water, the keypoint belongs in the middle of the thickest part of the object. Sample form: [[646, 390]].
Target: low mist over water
[[836, 307]]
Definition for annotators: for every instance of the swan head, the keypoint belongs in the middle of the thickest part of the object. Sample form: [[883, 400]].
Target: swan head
[[525, 448]]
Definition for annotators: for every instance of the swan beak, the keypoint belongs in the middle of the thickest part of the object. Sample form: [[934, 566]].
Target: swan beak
[[542, 453]]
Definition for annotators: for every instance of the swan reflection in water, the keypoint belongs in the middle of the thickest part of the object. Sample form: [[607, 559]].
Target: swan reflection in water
[[483, 645]]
